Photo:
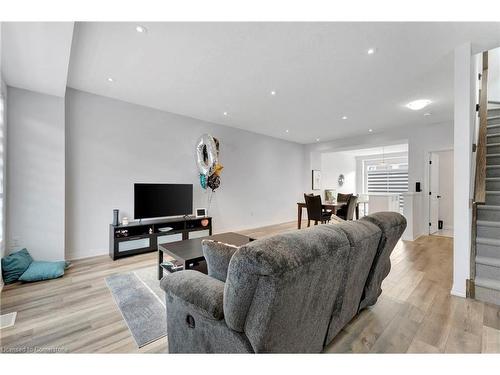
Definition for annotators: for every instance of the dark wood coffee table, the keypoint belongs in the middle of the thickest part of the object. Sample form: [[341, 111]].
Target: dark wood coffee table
[[190, 253]]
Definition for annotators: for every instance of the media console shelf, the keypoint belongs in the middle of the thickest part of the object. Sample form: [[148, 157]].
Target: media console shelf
[[144, 237]]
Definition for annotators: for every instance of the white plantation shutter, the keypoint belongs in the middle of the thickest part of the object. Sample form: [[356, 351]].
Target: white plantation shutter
[[387, 178]]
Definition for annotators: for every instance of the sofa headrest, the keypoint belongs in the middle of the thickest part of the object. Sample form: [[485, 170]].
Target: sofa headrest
[[286, 251], [386, 220]]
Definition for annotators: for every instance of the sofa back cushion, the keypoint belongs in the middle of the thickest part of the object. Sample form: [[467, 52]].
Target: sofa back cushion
[[364, 238], [392, 226], [281, 290], [218, 255]]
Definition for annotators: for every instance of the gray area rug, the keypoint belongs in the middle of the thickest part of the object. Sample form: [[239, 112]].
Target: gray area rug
[[141, 301]]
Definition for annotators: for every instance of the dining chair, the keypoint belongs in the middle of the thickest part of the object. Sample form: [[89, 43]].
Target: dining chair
[[341, 198], [347, 211], [315, 210]]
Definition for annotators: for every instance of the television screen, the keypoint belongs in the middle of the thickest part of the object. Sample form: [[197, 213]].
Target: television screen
[[158, 200]]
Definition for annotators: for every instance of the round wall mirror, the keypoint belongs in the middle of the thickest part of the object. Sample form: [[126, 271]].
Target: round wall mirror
[[341, 179]]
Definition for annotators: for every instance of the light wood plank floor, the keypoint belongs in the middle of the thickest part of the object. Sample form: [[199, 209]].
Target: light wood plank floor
[[415, 314]]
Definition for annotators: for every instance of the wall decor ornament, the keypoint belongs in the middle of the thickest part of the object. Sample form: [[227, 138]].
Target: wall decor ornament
[[206, 154], [207, 160], [316, 179], [341, 179], [203, 181]]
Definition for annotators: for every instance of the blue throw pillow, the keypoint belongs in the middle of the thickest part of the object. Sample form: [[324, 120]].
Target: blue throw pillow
[[14, 265], [43, 271]]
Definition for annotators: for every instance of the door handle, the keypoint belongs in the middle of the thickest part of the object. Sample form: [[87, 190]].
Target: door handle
[[438, 196]]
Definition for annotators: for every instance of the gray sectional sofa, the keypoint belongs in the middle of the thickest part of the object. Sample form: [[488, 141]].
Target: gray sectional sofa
[[289, 293]]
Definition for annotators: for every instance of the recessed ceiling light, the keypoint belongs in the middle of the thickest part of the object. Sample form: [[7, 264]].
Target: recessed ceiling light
[[370, 130], [317, 139], [344, 117], [371, 51], [273, 93], [225, 113], [110, 79], [418, 104], [427, 114], [286, 130], [140, 29]]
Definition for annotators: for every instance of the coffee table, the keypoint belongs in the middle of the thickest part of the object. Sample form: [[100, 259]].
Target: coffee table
[[190, 253]]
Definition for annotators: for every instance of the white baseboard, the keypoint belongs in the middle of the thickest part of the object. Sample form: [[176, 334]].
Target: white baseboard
[[75, 255], [458, 293]]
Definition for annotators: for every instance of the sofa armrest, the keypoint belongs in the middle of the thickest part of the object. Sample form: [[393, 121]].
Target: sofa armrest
[[203, 292], [218, 255]]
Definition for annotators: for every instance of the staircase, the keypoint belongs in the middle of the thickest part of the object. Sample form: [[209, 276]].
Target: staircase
[[487, 249]]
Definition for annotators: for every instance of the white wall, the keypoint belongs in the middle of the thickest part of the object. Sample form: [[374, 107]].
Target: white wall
[[112, 144], [446, 188], [464, 77], [494, 75], [421, 140], [35, 173], [3, 166], [332, 165]]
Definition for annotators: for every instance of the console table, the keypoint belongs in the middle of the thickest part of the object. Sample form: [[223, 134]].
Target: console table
[[143, 237]]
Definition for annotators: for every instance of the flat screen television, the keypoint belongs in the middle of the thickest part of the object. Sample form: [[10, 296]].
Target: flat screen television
[[159, 200]]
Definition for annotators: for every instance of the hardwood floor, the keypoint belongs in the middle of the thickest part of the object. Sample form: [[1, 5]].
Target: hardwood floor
[[415, 313]]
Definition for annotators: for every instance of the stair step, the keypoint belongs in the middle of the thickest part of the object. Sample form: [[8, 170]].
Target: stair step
[[488, 261], [488, 241], [493, 207], [488, 229], [492, 183], [488, 212], [493, 159], [492, 197], [493, 148], [488, 223], [490, 251], [493, 170], [487, 283], [493, 128], [489, 294], [488, 267]]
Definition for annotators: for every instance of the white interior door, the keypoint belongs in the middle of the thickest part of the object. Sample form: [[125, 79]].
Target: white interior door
[[433, 192]]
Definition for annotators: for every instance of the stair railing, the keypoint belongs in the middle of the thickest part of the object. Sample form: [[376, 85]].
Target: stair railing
[[480, 180], [480, 177]]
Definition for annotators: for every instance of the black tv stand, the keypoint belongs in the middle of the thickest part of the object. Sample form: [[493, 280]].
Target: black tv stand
[[143, 237]]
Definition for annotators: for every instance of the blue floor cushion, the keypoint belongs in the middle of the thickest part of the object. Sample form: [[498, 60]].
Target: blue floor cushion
[[14, 265], [43, 271]]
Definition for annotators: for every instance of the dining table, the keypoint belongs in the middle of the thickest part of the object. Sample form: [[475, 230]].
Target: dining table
[[331, 206]]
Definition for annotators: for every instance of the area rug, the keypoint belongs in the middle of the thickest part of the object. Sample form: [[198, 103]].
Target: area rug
[[141, 302]]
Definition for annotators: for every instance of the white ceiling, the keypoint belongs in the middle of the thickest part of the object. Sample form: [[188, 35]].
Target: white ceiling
[[320, 71], [36, 55]]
